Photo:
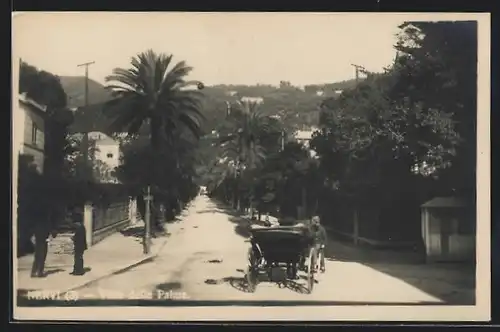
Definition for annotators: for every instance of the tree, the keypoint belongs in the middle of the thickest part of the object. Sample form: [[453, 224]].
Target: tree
[[437, 67], [46, 89], [285, 178], [397, 136], [248, 138], [153, 92]]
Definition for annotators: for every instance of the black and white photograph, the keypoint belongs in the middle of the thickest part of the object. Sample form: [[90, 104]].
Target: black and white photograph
[[251, 166]]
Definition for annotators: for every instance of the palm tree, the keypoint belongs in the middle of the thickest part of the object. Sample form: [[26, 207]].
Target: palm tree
[[153, 91], [247, 142], [223, 176]]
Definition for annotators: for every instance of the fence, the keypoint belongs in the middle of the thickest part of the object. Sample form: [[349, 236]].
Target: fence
[[373, 225], [108, 219]]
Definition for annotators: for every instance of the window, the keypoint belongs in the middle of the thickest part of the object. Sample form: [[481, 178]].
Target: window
[[34, 131], [109, 155]]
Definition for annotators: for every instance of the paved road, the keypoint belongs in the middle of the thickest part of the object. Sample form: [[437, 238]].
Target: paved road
[[205, 259]]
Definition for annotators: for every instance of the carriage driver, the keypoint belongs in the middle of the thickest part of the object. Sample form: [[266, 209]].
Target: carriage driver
[[319, 238]]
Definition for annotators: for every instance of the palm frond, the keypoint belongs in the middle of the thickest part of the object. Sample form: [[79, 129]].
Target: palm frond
[[150, 89]]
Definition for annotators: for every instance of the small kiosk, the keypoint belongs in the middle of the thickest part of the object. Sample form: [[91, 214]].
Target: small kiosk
[[448, 230]]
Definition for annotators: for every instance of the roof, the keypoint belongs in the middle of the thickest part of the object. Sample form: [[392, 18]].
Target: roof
[[107, 141], [26, 100], [304, 134], [102, 138], [444, 202]]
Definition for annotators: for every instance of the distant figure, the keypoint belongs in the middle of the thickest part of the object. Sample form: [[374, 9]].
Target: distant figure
[[266, 220], [79, 245], [41, 240], [319, 239]]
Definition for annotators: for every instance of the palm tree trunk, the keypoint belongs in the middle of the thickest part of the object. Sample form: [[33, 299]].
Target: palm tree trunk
[[156, 145]]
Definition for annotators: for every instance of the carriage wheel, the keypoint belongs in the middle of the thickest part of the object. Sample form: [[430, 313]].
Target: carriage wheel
[[310, 272]]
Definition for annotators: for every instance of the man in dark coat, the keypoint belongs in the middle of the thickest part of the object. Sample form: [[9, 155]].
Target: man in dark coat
[[79, 247], [41, 239]]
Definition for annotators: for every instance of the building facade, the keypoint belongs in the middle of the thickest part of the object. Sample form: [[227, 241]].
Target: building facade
[[304, 137], [107, 149], [106, 155], [448, 230], [31, 139]]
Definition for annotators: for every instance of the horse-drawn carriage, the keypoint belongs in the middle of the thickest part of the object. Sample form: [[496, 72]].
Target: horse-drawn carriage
[[277, 249]]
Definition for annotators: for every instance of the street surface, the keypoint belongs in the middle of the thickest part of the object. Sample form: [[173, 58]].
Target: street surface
[[206, 255]]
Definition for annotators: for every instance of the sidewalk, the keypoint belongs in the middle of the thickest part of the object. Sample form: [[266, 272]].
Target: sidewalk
[[110, 256]]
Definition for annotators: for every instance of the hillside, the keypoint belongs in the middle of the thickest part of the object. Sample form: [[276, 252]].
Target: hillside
[[330, 88], [74, 86], [296, 107]]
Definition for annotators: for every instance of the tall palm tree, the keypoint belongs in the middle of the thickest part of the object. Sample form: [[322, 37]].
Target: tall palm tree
[[247, 141], [153, 91]]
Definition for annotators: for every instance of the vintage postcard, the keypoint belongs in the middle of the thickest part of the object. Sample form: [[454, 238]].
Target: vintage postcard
[[251, 166]]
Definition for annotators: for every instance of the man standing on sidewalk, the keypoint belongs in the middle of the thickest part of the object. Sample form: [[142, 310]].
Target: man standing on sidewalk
[[40, 239], [80, 245]]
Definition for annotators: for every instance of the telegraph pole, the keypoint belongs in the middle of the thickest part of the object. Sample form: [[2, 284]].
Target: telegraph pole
[[228, 108], [85, 141], [147, 222], [359, 69]]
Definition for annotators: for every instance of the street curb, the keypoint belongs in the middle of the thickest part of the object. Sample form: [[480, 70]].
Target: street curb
[[120, 270]]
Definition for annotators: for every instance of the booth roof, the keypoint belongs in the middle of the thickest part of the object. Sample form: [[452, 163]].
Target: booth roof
[[444, 202]]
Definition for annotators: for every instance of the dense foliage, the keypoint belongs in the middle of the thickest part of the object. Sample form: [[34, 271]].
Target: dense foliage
[[407, 135], [388, 143]]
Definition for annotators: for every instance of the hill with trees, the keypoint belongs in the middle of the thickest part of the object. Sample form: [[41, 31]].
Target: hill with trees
[[74, 86], [296, 107]]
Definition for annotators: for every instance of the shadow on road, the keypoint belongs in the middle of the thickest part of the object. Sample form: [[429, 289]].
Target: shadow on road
[[241, 284], [296, 287], [135, 231], [452, 283], [138, 231], [238, 283], [242, 226], [52, 271]]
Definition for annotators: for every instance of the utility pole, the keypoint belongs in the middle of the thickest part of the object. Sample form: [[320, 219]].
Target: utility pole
[[85, 140], [282, 139], [359, 69], [228, 108], [147, 221]]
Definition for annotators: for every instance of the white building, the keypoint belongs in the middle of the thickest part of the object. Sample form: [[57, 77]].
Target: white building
[[29, 129], [257, 100], [304, 137], [108, 152], [107, 149]]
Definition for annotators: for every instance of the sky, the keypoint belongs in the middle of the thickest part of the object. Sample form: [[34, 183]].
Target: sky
[[223, 48]]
